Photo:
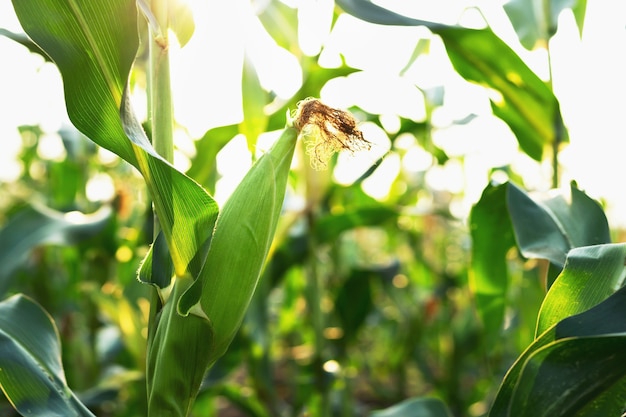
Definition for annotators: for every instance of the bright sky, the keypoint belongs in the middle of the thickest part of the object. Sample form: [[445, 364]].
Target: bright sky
[[588, 79]]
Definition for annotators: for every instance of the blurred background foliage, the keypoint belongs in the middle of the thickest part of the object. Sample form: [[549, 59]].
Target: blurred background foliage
[[364, 301]]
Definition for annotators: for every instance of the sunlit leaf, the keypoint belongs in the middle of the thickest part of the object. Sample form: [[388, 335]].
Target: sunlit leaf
[[254, 100], [590, 275], [522, 100], [208, 147], [280, 21], [31, 373]]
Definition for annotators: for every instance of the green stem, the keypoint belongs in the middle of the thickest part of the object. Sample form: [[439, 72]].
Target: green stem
[[160, 114], [315, 185], [162, 119], [558, 127]]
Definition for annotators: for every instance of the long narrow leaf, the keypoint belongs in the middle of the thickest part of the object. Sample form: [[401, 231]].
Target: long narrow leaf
[[31, 373], [526, 104]]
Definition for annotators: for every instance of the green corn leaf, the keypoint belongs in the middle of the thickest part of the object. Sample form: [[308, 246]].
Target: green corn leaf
[[38, 225], [598, 324], [492, 238], [254, 100], [31, 373], [281, 22], [573, 377], [535, 22], [94, 45], [591, 274], [241, 241], [524, 101], [559, 223]]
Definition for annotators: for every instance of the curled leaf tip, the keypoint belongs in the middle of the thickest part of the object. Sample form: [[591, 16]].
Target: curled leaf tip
[[326, 130]]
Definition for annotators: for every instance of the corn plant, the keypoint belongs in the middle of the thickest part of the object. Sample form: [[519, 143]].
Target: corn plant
[[204, 263]]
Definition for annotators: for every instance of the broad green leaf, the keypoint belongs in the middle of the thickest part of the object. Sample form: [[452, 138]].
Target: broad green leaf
[[536, 21], [94, 45], [572, 377], [240, 244], [548, 227], [38, 225], [31, 373], [415, 407], [492, 238], [590, 275], [524, 101], [599, 321]]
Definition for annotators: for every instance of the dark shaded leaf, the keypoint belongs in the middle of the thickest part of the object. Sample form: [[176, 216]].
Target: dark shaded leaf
[[492, 238], [38, 225], [596, 324], [31, 374], [549, 227]]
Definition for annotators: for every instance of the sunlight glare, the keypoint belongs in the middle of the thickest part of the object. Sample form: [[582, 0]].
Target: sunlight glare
[[233, 161], [379, 183], [51, 148], [100, 188]]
